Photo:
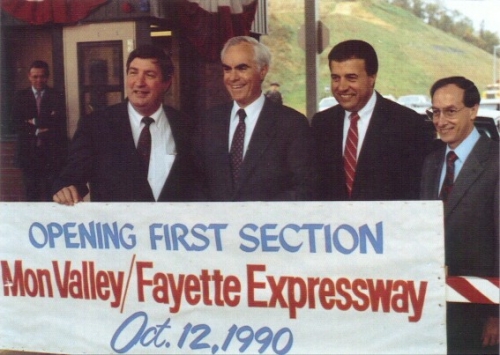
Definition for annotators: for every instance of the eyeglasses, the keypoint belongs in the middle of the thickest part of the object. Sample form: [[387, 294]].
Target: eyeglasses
[[434, 113]]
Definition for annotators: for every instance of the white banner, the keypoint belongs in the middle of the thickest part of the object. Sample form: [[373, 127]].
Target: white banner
[[283, 278]]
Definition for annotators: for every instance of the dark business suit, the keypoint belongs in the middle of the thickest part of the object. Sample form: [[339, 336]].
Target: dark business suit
[[389, 164], [471, 234], [278, 165], [40, 156], [103, 154]]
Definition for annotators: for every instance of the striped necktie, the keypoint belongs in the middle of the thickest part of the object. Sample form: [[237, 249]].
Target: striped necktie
[[350, 152]]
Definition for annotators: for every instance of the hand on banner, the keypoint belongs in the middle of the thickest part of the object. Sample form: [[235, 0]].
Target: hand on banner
[[491, 332], [67, 196]]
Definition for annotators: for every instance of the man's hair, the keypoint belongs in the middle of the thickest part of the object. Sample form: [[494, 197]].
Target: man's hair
[[262, 55], [355, 49], [151, 52], [471, 93], [40, 64]]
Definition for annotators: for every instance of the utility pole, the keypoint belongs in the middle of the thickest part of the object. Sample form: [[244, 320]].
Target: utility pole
[[312, 60], [495, 60]]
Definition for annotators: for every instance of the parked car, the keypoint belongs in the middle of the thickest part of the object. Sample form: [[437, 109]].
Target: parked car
[[417, 102], [492, 104], [327, 102], [492, 92]]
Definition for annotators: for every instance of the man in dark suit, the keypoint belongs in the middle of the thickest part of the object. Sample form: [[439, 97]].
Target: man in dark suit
[[40, 117], [138, 150], [386, 158], [266, 154], [469, 190]]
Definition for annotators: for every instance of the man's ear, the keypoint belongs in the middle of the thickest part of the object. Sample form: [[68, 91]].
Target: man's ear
[[473, 112], [263, 72]]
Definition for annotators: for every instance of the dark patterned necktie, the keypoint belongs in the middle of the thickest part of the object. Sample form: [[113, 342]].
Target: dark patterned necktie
[[144, 142], [237, 145], [351, 151], [38, 98], [449, 177]]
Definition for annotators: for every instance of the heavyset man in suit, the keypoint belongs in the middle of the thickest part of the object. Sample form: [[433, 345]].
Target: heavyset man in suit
[[40, 117], [276, 162], [390, 138], [103, 151], [469, 190]]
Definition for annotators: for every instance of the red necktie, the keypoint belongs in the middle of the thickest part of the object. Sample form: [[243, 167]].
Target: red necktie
[[350, 152], [449, 179], [237, 145], [144, 142]]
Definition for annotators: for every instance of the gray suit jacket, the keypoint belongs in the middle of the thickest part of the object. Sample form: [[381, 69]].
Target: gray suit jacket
[[471, 236], [471, 213]]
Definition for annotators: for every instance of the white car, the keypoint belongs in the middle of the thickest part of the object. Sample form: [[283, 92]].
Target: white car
[[493, 104], [490, 108], [327, 102], [417, 102]]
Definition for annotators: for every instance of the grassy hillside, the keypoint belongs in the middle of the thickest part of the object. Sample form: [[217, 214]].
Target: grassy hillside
[[412, 55]]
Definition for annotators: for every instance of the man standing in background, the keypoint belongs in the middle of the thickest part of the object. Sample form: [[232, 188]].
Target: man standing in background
[[274, 93], [40, 117]]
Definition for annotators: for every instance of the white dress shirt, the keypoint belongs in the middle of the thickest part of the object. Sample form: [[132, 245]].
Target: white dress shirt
[[253, 111], [462, 151], [365, 115], [162, 146]]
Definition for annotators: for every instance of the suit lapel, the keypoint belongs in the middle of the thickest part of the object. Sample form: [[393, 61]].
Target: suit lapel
[[125, 146], [217, 146], [262, 135], [337, 135], [437, 166], [373, 138], [471, 170], [120, 123]]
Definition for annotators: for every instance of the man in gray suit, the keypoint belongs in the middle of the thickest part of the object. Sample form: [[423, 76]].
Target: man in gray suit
[[464, 174], [252, 149]]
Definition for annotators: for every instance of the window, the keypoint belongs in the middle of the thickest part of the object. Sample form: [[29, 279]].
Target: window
[[100, 75]]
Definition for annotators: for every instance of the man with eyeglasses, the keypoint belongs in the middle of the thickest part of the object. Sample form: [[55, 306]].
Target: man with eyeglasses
[[464, 174]]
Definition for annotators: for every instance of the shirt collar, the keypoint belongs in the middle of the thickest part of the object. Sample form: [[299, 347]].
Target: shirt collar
[[251, 110], [35, 91], [463, 150], [158, 116], [367, 110]]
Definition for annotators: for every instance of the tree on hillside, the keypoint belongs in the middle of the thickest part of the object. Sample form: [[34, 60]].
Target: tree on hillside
[[454, 23], [490, 40], [404, 4], [432, 14], [418, 8], [445, 22], [464, 28]]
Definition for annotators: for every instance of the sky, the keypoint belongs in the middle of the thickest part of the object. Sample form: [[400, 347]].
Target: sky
[[477, 11]]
